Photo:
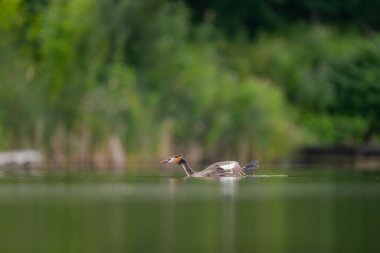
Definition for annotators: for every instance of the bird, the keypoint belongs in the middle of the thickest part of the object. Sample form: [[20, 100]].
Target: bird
[[218, 169]]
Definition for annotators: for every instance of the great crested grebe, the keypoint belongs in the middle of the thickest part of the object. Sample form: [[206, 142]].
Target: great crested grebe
[[219, 169]]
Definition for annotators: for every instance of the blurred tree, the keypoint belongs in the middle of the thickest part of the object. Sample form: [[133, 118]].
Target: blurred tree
[[256, 15], [76, 73], [357, 88], [328, 76]]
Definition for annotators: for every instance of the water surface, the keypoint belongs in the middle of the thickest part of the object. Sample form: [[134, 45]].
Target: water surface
[[304, 211]]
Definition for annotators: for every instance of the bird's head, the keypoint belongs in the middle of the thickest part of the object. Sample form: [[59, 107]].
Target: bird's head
[[176, 159]]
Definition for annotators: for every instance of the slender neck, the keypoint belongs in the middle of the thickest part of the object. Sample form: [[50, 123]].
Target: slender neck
[[186, 167]]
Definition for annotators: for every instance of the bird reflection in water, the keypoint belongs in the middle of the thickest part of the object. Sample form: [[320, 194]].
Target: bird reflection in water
[[228, 188]]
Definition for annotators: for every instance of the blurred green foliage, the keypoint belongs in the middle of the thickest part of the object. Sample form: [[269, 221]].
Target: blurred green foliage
[[332, 79], [75, 73], [275, 15]]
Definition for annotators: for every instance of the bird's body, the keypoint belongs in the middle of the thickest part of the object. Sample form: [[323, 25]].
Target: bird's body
[[221, 169], [218, 169]]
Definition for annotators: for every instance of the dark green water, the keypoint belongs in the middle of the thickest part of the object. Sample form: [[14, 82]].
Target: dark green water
[[307, 211]]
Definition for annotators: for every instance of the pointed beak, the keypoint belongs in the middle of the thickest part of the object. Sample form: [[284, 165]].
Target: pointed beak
[[164, 161]]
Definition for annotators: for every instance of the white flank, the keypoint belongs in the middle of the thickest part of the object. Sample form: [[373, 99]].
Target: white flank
[[228, 166]]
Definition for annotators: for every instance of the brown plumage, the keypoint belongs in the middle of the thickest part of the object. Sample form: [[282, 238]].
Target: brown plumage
[[218, 169]]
